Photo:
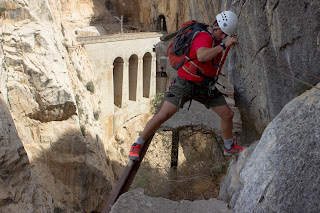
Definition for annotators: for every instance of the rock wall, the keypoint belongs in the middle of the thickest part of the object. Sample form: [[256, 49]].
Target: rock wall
[[280, 173], [276, 39]]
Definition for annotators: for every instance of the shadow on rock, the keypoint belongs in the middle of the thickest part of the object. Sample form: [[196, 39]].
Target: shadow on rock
[[75, 171]]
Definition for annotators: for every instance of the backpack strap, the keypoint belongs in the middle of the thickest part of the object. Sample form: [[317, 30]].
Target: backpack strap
[[199, 30], [195, 35]]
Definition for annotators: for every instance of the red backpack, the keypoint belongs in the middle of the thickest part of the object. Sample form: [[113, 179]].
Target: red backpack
[[179, 48]]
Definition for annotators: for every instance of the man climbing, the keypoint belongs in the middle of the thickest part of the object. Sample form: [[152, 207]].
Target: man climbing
[[196, 80]]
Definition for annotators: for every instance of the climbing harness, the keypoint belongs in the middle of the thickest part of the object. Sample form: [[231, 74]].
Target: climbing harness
[[196, 89]]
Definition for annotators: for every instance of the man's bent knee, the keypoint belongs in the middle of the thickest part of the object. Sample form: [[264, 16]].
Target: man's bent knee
[[225, 112], [167, 111], [227, 115]]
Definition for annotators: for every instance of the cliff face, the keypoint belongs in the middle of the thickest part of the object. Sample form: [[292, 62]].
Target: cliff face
[[276, 39], [19, 188]]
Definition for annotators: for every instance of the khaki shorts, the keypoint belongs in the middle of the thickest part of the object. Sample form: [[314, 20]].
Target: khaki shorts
[[181, 91]]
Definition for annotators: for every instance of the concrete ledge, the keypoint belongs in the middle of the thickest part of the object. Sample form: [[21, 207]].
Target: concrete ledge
[[117, 37]]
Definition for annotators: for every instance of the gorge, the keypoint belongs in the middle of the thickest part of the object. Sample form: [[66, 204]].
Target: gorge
[[62, 150]]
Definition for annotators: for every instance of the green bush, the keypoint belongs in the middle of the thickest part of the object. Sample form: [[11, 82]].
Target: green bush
[[79, 77], [80, 111], [156, 102], [77, 99], [2, 10], [57, 210], [96, 115], [83, 130], [301, 89], [90, 86]]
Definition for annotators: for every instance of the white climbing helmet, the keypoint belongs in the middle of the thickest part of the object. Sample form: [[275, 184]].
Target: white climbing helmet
[[227, 22]]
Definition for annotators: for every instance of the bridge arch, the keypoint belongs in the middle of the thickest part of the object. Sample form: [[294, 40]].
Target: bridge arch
[[133, 77], [118, 81], [147, 65]]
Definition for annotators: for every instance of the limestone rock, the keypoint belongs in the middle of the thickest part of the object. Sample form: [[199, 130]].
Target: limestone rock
[[19, 189], [280, 174], [44, 72], [136, 201]]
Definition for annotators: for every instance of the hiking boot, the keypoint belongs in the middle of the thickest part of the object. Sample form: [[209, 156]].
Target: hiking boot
[[135, 152], [234, 150]]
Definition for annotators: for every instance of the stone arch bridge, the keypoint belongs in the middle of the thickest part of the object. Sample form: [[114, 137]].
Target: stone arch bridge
[[125, 69]]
